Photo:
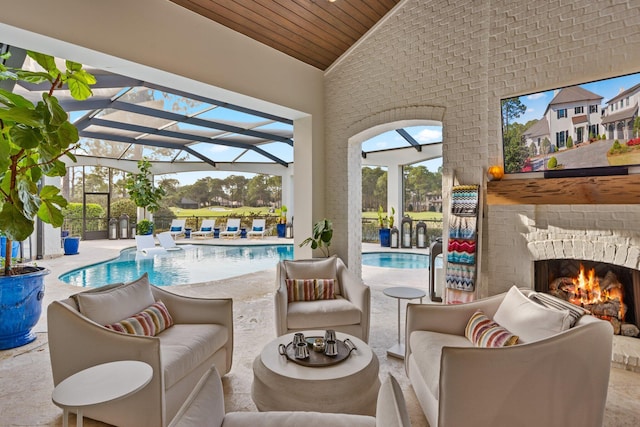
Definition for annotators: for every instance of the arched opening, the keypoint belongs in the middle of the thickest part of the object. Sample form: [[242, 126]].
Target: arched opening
[[397, 159]]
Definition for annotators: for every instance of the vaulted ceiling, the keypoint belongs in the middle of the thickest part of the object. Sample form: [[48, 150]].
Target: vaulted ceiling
[[316, 32]]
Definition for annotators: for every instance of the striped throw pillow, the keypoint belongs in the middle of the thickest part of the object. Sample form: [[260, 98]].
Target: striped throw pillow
[[149, 322], [300, 290], [484, 332], [325, 288], [549, 301]]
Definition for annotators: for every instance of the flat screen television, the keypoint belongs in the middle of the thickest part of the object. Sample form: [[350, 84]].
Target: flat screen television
[[582, 130]]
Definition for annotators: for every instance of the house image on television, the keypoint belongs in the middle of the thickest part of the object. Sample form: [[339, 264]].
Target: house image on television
[[620, 113], [573, 112]]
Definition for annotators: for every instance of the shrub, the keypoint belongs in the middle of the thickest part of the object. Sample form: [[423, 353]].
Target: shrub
[[552, 163], [570, 142], [123, 206]]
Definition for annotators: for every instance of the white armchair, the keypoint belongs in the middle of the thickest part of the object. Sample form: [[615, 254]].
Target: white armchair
[[557, 380], [201, 336], [349, 312]]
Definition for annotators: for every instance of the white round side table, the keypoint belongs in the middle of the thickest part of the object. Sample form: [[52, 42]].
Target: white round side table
[[100, 384], [400, 293]]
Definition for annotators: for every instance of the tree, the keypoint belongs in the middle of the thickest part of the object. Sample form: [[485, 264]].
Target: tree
[[141, 189], [512, 108]]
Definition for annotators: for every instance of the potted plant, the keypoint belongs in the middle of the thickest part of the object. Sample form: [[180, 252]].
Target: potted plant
[[321, 238], [143, 193], [384, 232], [282, 221], [144, 227], [34, 138]]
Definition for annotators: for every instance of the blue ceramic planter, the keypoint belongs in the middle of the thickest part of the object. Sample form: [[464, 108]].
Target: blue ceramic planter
[[20, 307], [385, 237]]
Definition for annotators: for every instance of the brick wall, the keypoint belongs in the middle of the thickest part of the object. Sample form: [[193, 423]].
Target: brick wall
[[453, 62]]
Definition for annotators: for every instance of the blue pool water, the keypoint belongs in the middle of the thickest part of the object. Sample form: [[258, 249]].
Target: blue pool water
[[198, 263], [398, 260]]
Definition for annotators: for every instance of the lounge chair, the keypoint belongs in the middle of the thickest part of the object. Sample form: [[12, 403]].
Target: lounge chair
[[168, 244], [177, 227], [206, 229], [146, 246], [257, 229], [232, 229]]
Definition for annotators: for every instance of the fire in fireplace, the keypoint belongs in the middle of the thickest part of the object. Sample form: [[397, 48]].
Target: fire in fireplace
[[605, 290]]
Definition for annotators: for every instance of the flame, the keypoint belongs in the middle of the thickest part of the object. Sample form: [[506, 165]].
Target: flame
[[587, 291]]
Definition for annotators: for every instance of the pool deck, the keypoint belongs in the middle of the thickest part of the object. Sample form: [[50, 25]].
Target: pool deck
[[25, 373]]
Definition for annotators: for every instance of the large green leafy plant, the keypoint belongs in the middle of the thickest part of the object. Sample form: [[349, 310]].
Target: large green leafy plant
[[141, 190], [33, 138], [321, 238]]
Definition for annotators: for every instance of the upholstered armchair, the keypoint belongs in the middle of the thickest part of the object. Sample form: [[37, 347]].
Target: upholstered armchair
[[201, 336], [348, 312], [556, 374]]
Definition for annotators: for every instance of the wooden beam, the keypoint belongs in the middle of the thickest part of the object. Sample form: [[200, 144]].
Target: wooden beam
[[594, 190]]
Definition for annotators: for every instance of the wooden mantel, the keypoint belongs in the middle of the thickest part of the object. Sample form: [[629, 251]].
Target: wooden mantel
[[593, 190]]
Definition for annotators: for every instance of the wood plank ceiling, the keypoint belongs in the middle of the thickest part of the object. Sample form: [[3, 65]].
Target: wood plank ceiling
[[316, 32]]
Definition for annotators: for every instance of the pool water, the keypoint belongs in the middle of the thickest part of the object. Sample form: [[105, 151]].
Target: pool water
[[398, 260], [195, 264]]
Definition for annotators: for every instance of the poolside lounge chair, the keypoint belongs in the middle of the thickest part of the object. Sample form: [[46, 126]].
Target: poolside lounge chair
[[257, 228], [168, 244], [232, 230], [146, 245], [206, 229], [177, 227]]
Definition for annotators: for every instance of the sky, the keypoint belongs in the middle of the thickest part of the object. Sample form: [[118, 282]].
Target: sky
[[537, 103], [386, 140]]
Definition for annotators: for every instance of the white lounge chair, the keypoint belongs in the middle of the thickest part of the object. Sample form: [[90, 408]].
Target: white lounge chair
[[146, 245], [168, 244], [257, 228], [177, 227], [206, 229], [232, 229]]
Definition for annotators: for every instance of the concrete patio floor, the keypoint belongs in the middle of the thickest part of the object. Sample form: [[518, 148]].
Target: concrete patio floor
[[25, 374]]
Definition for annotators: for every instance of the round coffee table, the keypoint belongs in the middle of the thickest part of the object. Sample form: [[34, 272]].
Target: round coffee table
[[350, 386], [100, 384]]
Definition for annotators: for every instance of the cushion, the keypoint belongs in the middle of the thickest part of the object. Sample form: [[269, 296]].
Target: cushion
[[257, 228], [150, 321], [176, 228], [185, 346], [324, 268], [426, 352], [310, 289], [575, 311], [324, 288], [300, 290], [205, 229], [232, 228], [117, 303], [484, 332], [528, 320], [310, 314], [391, 408]]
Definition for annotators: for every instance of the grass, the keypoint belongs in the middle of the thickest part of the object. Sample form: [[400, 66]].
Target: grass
[[246, 211], [628, 158]]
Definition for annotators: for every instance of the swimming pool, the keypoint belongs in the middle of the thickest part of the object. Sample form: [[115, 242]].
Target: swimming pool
[[195, 264], [398, 260]]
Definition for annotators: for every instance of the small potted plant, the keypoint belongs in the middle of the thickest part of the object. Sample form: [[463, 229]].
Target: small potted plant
[[34, 136], [282, 221], [144, 227], [384, 232]]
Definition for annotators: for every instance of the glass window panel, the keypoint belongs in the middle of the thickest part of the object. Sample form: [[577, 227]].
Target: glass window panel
[[217, 153], [101, 148]]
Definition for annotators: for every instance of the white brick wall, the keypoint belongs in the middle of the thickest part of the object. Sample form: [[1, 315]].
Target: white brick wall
[[453, 61]]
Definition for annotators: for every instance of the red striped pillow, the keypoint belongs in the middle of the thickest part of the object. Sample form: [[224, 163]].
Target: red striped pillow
[[484, 332], [149, 322], [325, 288], [300, 290]]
